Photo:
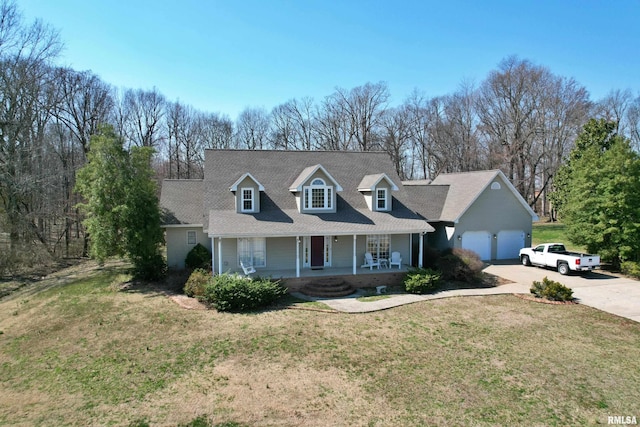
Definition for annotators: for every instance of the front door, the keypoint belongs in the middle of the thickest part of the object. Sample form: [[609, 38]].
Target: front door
[[317, 252]]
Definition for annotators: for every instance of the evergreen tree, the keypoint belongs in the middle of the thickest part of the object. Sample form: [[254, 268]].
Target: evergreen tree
[[121, 207], [598, 193]]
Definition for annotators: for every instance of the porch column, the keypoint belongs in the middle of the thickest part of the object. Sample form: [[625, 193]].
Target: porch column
[[219, 255], [213, 256], [355, 259], [297, 256], [411, 249], [420, 250]]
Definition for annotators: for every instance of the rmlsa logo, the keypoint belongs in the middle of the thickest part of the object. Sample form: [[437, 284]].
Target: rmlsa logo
[[622, 420]]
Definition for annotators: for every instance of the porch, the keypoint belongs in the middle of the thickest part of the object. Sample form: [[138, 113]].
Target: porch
[[364, 278]]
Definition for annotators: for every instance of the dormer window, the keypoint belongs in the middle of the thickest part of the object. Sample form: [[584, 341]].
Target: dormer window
[[377, 191], [318, 195], [247, 194], [247, 200], [382, 199]]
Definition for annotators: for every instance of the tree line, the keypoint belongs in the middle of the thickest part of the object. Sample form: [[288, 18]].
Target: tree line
[[522, 119]]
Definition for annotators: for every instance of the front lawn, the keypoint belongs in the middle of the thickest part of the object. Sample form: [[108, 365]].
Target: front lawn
[[91, 353]]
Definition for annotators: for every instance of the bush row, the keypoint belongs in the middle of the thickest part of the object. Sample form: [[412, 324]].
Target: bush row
[[232, 292]]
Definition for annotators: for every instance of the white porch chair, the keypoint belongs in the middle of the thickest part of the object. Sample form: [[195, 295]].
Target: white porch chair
[[248, 269], [396, 259], [369, 262]]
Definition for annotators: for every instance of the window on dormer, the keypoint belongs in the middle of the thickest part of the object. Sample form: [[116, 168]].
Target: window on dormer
[[381, 199], [247, 200], [318, 195]]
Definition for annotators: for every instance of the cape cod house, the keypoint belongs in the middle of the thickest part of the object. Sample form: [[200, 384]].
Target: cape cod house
[[289, 213], [292, 214]]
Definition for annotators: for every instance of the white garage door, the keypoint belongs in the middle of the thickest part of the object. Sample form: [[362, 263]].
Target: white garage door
[[509, 243], [479, 242]]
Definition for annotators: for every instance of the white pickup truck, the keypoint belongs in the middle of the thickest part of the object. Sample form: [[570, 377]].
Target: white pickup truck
[[556, 255]]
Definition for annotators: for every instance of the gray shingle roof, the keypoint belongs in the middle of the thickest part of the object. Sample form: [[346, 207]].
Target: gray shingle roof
[[277, 171], [181, 201], [464, 189], [427, 200]]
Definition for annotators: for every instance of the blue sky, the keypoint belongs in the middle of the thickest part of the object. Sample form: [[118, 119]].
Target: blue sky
[[223, 56]]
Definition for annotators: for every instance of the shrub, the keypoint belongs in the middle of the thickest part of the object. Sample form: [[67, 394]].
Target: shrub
[[431, 257], [231, 292], [422, 281], [551, 290], [630, 268], [460, 264], [198, 257], [194, 287], [150, 267]]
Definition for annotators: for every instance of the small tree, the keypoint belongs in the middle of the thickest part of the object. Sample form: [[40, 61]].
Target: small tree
[[122, 210]]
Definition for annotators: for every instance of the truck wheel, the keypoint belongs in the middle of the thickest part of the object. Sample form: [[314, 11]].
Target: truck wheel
[[525, 260], [563, 268]]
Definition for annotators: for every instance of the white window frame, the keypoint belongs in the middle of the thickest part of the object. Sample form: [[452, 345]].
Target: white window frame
[[190, 240], [384, 198], [379, 245], [242, 199], [252, 251], [318, 184]]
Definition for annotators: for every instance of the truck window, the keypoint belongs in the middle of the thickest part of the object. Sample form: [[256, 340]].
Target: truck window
[[556, 248], [539, 248]]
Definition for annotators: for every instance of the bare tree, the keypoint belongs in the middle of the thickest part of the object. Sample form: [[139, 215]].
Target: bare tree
[[459, 143], [184, 142], [416, 106], [25, 102], [331, 125], [396, 137], [217, 130], [283, 134], [614, 107], [142, 117], [508, 104], [252, 129], [364, 107], [86, 102], [633, 119]]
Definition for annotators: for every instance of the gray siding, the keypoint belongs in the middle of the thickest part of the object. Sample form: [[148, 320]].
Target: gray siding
[[177, 246], [493, 211]]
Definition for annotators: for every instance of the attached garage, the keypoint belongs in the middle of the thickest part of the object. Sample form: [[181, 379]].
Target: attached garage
[[479, 242], [509, 243], [480, 211]]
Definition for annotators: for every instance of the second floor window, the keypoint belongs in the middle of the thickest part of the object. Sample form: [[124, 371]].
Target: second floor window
[[247, 200], [381, 199], [318, 195]]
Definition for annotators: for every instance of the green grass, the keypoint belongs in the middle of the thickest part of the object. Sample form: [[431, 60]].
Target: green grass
[[86, 353], [551, 232]]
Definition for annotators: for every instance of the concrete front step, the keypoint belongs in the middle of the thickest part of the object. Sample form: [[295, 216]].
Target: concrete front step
[[328, 287]]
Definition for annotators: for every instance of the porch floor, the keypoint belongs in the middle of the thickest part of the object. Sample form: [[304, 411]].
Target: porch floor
[[328, 271]]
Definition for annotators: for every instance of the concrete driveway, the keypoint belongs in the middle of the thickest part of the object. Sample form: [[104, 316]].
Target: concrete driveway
[[601, 290]]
